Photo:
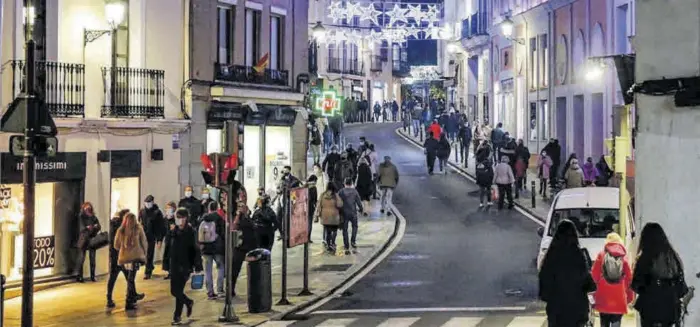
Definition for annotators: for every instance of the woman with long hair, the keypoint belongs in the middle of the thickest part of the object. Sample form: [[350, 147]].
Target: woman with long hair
[[131, 242], [114, 268], [89, 227], [565, 279], [364, 184], [658, 279], [328, 211]]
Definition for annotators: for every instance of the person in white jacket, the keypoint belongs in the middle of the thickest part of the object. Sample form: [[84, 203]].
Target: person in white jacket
[[503, 178], [320, 181]]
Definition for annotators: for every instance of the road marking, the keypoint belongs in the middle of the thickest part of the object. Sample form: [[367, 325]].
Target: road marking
[[399, 322], [343, 322], [412, 310], [277, 323], [394, 243], [471, 179], [525, 321], [463, 322]]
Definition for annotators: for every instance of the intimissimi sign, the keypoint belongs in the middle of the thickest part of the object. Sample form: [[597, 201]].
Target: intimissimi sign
[[64, 166], [45, 166]]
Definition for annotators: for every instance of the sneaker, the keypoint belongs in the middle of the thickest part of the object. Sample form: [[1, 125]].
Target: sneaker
[[189, 308], [354, 245], [365, 214], [176, 322], [212, 296], [381, 211], [481, 205], [388, 213], [140, 297]]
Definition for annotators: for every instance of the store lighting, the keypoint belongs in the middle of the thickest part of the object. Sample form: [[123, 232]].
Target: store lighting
[[454, 47]]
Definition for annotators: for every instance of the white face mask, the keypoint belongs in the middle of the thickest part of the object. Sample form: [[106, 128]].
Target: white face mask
[[149, 205], [205, 195], [179, 221], [168, 212], [188, 194]]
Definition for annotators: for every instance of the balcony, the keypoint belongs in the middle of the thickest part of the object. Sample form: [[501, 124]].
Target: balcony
[[133, 93], [400, 68], [248, 74], [62, 85], [346, 66], [376, 63], [475, 31]]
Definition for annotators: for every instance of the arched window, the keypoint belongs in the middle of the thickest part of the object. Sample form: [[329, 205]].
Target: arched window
[[597, 41], [579, 55]]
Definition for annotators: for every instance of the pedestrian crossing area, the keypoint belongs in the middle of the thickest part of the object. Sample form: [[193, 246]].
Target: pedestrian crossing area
[[531, 320]]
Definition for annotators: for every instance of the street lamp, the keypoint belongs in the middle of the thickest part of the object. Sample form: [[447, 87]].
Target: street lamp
[[455, 47], [318, 31], [595, 71], [507, 27]]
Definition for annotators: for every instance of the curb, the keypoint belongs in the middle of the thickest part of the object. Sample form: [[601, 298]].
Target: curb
[[457, 167], [357, 270]]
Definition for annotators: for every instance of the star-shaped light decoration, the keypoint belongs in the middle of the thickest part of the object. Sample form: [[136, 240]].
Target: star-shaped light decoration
[[336, 12], [374, 36], [355, 37], [352, 9], [396, 14], [432, 15], [412, 31], [370, 13], [432, 32], [415, 12], [339, 36]]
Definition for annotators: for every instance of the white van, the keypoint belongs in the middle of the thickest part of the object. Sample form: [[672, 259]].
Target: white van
[[594, 211]]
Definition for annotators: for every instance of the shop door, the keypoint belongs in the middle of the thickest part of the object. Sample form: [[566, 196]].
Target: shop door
[[278, 141], [251, 162], [125, 181]]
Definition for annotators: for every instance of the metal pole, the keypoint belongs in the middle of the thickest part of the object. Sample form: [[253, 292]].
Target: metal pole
[[2, 299], [285, 240], [112, 77], [229, 315], [305, 290], [532, 193]]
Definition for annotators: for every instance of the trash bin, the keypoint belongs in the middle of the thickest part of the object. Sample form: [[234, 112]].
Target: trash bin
[[259, 281]]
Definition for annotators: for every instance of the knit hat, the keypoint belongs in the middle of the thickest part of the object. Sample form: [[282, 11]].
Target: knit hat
[[613, 238]]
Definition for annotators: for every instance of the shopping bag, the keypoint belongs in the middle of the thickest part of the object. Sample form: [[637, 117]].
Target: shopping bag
[[99, 241], [197, 281], [494, 193]]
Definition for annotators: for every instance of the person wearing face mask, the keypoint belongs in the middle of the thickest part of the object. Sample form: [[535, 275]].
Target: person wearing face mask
[[206, 199], [170, 208], [151, 218], [89, 227], [320, 179], [193, 205], [184, 259]]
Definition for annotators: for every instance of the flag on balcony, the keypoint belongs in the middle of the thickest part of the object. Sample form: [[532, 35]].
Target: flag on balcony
[[262, 63]]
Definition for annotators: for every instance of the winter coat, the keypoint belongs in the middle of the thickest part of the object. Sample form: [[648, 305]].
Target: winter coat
[[590, 173], [265, 218], [218, 247], [604, 174], [329, 163], [483, 153], [444, 148], [130, 253], [453, 123], [153, 223], [544, 163], [484, 174], [170, 223], [503, 174], [344, 169], [114, 225], [520, 168], [431, 146], [321, 183], [574, 177], [612, 298], [351, 202], [521, 151], [353, 156], [315, 136], [328, 209], [465, 135], [364, 181], [388, 175], [249, 237], [659, 284], [313, 200], [89, 227], [184, 252], [508, 149], [564, 286], [194, 206], [436, 129], [498, 137]]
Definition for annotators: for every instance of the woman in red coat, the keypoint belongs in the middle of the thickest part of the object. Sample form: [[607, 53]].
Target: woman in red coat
[[613, 280]]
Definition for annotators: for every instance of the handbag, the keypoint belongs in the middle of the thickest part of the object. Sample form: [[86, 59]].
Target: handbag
[[99, 241], [494, 193], [197, 281]]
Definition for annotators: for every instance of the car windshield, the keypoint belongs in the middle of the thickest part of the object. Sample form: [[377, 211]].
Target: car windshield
[[590, 222]]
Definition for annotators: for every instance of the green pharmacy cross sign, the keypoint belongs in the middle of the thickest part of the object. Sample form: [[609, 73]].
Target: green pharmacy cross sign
[[328, 104]]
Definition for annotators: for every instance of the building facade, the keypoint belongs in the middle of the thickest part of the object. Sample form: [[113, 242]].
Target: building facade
[[120, 127]]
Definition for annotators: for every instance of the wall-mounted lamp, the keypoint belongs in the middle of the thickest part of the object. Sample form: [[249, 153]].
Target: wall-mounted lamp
[[114, 14], [507, 27], [318, 32], [29, 14]]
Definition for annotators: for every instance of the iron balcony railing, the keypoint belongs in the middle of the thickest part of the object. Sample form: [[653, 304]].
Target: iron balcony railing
[[376, 63], [346, 66], [133, 92], [248, 74], [62, 86]]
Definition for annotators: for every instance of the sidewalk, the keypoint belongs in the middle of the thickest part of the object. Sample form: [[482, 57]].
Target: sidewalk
[[84, 304], [541, 208]]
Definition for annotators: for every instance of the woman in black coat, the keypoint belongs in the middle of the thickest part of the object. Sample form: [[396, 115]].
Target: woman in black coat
[[658, 279], [364, 184], [114, 267], [89, 227], [443, 151], [565, 279], [169, 215]]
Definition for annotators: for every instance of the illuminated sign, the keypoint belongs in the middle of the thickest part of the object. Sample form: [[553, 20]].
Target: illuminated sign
[[328, 104]]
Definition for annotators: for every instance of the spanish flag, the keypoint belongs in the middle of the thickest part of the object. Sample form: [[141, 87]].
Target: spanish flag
[[262, 63]]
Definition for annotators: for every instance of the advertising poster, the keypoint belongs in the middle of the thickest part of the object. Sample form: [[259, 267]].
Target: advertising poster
[[299, 218]]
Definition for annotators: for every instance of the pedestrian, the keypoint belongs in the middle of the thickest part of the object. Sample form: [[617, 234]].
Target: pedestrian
[[192, 204], [435, 130], [169, 214], [430, 147], [329, 163], [658, 280], [327, 136], [287, 182], [443, 152], [553, 149], [544, 164], [504, 179], [394, 110], [320, 178], [353, 156], [351, 205], [211, 237], [604, 172], [130, 241], [416, 117], [522, 152], [590, 172], [484, 178], [388, 180], [377, 111], [364, 184], [498, 139], [344, 169], [483, 152], [573, 177], [328, 213], [89, 227], [478, 136], [184, 259], [244, 223], [266, 221], [205, 200], [465, 140], [151, 218], [114, 268], [520, 170], [312, 196], [452, 126], [612, 275], [508, 149], [565, 279], [568, 163]]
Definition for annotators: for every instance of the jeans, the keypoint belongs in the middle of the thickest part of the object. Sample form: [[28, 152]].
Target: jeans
[[442, 162], [518, 186], [330, 233], [610, 320], [484, 191], [238, 258], [505, 190], [81, 262], [416, 127], [316, 153], [464, 152], [266, 238], [431, 162], [113, 275], [387, 195], [178, 280], [209, 260], [349, 221], [150, 253]]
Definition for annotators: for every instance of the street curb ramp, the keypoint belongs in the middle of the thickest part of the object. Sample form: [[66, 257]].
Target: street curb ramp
[[291, 314], [457, 167]]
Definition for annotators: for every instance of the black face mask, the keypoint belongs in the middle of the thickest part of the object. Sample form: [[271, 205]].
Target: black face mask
[[261, 193]]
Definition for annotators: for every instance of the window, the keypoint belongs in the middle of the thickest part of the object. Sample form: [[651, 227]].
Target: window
[[545, 61], [276, 36], [122, 50], [621, 32], [533, 63], [252, 37], [224, 34], [590, 222], [544, 120]]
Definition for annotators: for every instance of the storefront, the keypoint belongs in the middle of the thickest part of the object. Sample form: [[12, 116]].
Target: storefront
[[59, 193], [125, 180]]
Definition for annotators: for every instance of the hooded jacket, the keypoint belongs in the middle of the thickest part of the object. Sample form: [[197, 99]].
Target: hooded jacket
[[484, 174], [503, 173], [612, 298], [444, 148], [153, 223], [574, 175], [431, 146], [544, 163], [328, 209], [218, 246], [184, 252], [194, 206], [590, 172], [436, 129]]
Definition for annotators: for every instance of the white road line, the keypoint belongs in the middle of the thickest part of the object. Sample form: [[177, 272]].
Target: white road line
[[394, 243], [277, 323], [462, 322], [399, 322], [406, 310], [343, 322], [459, 171], [527, 321]]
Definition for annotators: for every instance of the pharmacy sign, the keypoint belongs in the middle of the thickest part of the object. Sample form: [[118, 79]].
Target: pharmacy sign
[[328, 104]]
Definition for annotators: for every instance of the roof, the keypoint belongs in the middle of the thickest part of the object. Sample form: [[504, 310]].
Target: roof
[[588, 197]]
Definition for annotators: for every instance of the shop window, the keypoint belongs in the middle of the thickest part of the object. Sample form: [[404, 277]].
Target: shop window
[[533, 63], [533, 121], [124, 195], [278, 141], [251, 162], [276, 35], [544, 120], [545, 60]]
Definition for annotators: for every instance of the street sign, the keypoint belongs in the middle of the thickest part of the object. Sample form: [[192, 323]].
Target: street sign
[[15, 118], [44, 146]]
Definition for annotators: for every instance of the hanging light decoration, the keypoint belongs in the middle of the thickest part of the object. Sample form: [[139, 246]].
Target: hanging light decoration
[[425, 73]]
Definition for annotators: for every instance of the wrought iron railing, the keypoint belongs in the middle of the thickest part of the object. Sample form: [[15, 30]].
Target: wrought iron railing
[[376, 63], [133, 92], [60, 84], [346, 66], [248, 74]]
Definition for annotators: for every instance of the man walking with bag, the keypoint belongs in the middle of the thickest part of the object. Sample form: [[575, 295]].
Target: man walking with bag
[[388, 180]]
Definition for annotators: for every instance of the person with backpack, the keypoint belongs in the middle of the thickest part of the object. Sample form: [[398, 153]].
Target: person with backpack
[[612, 275], [315, 143], [151, 218], [328, 213], [484, 178], [351, 204], [211, 236]]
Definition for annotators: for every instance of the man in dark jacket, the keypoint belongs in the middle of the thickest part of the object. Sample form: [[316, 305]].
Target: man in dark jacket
[[484, 178], [193, 205], [185, 258], [508, 150], [313, 199], [330, 162], [114, 267], [465, 140], [315, 143], [431, 147], [344, 169], [213, 248], [205, 200], [151, 218], [523, 153], [245, 226], [265, 222], [553, 149], [498, 139], [353, 156], [351, 204]]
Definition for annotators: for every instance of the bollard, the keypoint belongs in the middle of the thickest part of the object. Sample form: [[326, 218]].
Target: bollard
[[532, 193], [421, 134]]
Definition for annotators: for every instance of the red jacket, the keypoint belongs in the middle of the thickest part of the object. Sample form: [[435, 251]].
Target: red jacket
[[436, 129], [612, 298]]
